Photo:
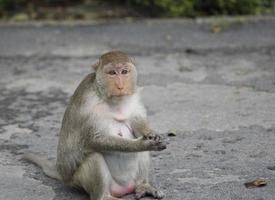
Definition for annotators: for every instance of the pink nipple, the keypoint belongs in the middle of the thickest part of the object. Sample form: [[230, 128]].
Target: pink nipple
[[120, 133]]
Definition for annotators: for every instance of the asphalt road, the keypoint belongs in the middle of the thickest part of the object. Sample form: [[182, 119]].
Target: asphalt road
[[217, 90]]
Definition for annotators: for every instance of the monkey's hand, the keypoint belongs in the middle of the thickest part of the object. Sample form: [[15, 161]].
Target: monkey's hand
[[153, 136], [154, 142]]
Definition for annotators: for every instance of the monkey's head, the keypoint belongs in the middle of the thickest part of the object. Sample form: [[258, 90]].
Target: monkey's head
[[115, 75]]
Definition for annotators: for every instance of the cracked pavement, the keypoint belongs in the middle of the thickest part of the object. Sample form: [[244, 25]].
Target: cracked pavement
[[216, 89]]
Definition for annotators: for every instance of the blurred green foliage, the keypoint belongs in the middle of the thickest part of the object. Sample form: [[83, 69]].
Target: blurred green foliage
[[233, 7], [164, 8], [189, 8], [147, 8]]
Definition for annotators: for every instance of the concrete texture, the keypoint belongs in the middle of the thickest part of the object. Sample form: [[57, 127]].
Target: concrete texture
[[216, 89]]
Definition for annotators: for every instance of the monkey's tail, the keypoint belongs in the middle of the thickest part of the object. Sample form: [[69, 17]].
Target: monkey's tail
[[48, 166]]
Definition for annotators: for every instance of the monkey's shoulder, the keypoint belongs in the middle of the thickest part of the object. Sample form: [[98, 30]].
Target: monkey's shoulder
[[84, 90], [85, 86]]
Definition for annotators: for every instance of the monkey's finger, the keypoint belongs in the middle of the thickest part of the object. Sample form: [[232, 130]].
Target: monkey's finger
[[158, 147], [162, 147], [159, 138], [162, 141], [151, 136]]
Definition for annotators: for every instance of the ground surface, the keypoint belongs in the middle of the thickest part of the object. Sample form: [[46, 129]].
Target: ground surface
[[216, 90]]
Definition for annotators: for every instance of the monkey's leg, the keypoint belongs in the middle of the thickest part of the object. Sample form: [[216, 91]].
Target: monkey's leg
[[94, 177], [143, 188]]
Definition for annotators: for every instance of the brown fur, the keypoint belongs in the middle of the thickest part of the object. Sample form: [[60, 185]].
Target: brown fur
[[113, 57]]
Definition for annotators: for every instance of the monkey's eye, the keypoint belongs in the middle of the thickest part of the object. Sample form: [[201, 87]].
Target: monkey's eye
[[124, 71], [112, 72]]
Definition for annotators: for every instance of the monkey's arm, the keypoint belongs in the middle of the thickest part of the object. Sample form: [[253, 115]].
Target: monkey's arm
[[140, 126], [104, 142]]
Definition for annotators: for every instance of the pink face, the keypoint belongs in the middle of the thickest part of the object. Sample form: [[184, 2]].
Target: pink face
[[119, 79]]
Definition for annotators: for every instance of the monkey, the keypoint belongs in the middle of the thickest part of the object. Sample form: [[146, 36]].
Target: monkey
[[105, 139]]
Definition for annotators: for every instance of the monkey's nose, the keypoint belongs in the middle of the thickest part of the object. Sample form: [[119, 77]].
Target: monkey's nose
[[119, 83], [120, 88]]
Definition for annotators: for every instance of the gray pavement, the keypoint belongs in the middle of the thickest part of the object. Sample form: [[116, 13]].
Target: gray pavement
[[216, 89]]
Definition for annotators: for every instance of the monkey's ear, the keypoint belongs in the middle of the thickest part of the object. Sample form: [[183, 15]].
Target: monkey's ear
[[132, 60], [95, 66]]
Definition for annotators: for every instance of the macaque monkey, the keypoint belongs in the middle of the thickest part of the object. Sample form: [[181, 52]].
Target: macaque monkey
[[104, 141]]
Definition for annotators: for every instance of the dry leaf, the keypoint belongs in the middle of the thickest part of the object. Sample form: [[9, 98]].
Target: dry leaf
[[271, 168], [256, 183], [216, 29], [172, 133]]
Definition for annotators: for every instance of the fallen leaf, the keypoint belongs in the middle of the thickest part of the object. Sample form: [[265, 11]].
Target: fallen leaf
[[271, 168], [172, 133], [256, 183], [216, 29]]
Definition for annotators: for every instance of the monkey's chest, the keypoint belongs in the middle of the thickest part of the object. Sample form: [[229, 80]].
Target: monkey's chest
[[121, 129]]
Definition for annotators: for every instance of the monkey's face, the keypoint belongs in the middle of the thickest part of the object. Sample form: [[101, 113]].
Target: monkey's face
[[120, 79]]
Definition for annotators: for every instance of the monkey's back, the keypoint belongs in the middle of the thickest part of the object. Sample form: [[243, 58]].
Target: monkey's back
[[71, 146]]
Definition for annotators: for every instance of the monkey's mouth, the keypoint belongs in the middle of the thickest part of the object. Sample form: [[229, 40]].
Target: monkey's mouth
[[120, 94]]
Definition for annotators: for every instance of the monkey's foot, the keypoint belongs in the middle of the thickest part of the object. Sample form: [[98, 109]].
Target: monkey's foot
[[143, 190]]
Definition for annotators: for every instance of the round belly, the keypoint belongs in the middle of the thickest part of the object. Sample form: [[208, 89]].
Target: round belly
[[123, 166]]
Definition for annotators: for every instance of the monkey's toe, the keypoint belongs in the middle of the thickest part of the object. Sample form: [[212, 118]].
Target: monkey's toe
[[158, 194], [140, 194]]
